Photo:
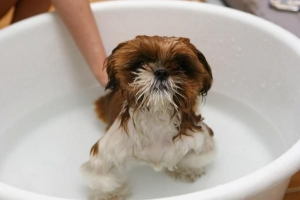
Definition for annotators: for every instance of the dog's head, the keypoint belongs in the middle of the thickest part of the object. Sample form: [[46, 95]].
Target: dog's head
[[158, 71]]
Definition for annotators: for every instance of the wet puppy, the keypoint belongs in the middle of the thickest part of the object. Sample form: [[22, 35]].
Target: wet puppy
[[151, 114]]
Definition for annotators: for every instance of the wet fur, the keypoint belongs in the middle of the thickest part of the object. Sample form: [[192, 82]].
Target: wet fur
[[151, 122]]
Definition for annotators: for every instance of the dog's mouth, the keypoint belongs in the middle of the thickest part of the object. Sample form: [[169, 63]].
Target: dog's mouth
[[161, 86], [156, 93]]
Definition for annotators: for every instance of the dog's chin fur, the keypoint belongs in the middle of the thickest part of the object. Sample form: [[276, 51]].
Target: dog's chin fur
[[156, 86]]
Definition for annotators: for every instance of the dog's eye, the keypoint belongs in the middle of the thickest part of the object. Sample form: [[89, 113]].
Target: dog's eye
[[137, 65], [141, 64], [180, 68]]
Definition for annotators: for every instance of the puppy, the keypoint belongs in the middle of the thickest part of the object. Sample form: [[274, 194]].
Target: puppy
[[151, 114]]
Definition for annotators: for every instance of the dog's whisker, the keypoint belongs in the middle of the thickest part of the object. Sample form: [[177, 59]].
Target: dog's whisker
[[178, 93], [169, 97], [143, 102], [175, 88], [142, 91], [147, 82]]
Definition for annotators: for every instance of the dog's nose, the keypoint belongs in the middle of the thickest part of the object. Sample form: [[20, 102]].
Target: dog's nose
[[161, 74]]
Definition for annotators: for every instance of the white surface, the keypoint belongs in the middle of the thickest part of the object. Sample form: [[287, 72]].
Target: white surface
[[48, 126], [66, 133]]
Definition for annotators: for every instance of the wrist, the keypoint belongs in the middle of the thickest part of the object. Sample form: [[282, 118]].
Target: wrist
[[101, 75]]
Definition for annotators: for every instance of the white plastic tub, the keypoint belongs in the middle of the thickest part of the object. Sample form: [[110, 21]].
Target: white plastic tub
[[48, 124]]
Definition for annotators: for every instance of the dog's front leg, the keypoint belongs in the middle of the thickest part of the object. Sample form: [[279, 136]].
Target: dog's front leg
[[202, 151], [105, 179]]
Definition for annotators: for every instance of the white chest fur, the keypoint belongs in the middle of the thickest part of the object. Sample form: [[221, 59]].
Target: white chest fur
[[149, 140], [153, 137]]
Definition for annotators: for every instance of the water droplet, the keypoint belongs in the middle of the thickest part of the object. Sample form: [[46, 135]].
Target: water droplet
[[233, 81], [263, 85]]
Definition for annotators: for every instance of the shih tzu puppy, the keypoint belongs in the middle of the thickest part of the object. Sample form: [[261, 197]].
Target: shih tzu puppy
[[151, 114]]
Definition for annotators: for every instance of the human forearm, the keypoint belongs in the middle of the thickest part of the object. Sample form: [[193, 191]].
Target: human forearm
[[79, 19]]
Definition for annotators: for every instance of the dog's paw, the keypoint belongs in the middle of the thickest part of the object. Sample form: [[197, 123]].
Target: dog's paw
[[121, 193], [186, 175]]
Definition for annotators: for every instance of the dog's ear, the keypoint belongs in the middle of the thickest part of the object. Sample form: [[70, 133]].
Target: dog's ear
[[208, 77], [113, 83], [109, 64]]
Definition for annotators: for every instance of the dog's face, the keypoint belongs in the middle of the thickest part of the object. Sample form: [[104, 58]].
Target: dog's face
[[158, 71]]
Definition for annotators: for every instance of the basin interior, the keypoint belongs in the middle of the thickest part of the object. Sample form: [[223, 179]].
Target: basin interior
[[48, 123], [46, 148]]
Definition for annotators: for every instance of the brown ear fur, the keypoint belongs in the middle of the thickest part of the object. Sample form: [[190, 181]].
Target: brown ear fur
[[208, 77], [113, 83], [190, 120], [109, 106]]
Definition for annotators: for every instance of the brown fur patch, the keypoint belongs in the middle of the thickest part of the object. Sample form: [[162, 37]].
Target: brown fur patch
[[210, 131], [95, 149], [109, 107]]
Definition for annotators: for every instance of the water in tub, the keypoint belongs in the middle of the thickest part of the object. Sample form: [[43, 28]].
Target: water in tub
[[43, 152]]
